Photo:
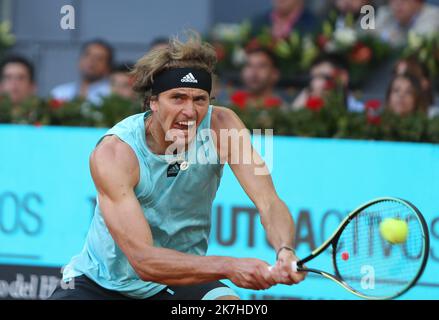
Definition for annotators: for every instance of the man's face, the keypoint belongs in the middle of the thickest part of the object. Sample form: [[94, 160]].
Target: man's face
[[404, 10], [285, 7], [259, 74], [94, 63], [16, 82], [350, 6], [402, 97], [179, 111], [321, 74], [121, 85]]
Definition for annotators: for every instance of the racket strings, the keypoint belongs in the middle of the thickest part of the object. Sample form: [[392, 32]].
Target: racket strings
[[376, 267]]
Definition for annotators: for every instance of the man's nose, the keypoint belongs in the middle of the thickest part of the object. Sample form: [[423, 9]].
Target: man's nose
[[189, 109]]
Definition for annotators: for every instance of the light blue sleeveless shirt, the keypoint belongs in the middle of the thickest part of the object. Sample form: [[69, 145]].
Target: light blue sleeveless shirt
[[177, 208]]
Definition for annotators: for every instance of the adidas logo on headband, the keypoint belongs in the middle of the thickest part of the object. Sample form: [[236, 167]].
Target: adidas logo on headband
[[189, 78], [181, 78]]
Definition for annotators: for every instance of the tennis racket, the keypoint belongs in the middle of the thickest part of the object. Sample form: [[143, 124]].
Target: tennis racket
[[364, 261]]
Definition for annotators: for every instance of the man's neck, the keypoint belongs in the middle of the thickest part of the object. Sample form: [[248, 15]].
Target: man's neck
[[155, 138]]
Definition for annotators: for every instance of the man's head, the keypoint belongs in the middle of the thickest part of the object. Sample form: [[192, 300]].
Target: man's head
[[260, 73], [404, 95], [405, 10], [286, 7], [176, 81], [325, 71], [413, 66], [350, 6], [158, 43], [17, 78], [96, 60], [121, 81]]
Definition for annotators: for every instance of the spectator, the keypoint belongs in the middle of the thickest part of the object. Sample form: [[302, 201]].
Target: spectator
[[349, 8], [404, 94], [94, 67], [327, 73], [412, 66], [285, 16], [158, 43], [17, 79], [259, 75], [121, 81], [401, 16]]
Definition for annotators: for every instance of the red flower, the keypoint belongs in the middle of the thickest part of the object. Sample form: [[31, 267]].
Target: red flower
[[220, 51], [272, 102], [253, 44], [322, 40], [373, 111], [329, 84], [315, 103], [56, 103], [361, 53], [239, 98], [372, 104]]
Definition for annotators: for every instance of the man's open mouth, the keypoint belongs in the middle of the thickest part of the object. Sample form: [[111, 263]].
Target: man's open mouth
[[184, 125]]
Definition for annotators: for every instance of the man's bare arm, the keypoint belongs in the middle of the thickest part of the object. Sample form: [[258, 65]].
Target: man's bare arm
[[115, 171], [275, 215]]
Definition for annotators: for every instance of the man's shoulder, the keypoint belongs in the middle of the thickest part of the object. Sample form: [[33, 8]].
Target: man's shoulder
[[428, 17], [64, 91], [113, 152], [430, 9], [113, 165], [224, 118], [384, 12]]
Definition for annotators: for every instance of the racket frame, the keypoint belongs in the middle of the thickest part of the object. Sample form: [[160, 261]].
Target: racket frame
[[333, 240]]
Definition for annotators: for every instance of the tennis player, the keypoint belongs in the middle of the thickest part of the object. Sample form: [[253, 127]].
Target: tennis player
[[149, 235]]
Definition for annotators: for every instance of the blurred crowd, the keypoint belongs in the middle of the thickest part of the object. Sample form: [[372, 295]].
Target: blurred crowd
[[411, 88]]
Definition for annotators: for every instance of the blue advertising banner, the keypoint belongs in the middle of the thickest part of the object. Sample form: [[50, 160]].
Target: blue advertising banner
[[47, 200]]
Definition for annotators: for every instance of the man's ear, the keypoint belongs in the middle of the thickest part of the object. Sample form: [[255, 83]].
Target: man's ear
[[153, 103]]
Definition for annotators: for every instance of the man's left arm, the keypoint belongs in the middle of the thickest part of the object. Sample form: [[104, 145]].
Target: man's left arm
[[255, 178]]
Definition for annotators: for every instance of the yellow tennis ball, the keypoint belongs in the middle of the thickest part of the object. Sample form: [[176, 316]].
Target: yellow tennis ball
[[394, 230]]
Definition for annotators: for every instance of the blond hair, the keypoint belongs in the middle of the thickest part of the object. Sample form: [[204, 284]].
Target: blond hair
[[194, 53]]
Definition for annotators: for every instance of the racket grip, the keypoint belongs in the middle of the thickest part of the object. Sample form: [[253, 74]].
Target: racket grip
[[293, 266]]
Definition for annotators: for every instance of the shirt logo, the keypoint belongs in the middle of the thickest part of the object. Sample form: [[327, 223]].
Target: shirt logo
[[189, 78], [173, 170]]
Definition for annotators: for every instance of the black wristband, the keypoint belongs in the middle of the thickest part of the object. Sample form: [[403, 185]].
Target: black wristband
[[284, 247]]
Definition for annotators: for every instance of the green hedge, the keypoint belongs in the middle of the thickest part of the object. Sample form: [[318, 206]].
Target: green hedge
[[330, 120]]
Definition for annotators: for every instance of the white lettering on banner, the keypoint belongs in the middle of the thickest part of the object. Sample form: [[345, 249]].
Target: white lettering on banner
[[21, 289]]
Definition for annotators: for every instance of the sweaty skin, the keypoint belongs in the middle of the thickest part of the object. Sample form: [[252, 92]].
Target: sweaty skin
[[115, 171]]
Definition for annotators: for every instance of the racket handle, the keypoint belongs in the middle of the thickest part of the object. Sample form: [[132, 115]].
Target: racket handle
[[293, 266]]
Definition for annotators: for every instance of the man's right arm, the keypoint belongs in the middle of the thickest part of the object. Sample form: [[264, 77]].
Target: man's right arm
[[115, 171]]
